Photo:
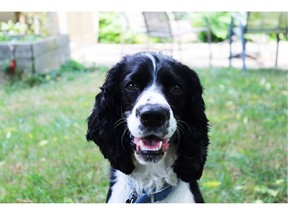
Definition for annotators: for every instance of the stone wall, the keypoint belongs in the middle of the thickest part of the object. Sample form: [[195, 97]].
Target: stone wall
[[38, 56]]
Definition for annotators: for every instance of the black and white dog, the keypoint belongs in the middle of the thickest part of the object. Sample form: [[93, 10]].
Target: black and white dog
[[149, 121]]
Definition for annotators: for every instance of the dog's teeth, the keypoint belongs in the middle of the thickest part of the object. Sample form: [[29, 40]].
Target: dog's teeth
[[143, 147]]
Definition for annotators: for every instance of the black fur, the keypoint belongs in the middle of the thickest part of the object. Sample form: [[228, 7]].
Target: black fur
[[112, 101], [101, 123]]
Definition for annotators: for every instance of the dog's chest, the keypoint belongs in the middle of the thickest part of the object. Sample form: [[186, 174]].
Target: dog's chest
[[125, 185]]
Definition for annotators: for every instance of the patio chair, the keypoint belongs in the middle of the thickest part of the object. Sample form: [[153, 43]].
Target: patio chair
[[161, 25], [129, 28], [255, 23]]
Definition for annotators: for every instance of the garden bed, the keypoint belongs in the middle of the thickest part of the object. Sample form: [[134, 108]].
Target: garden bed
[[42, 55]]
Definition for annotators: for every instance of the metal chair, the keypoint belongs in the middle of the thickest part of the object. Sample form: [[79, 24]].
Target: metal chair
[[255, 23], [128, 29], [160, 25]]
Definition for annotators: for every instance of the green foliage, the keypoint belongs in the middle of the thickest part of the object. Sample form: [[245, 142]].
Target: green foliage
[[66, 71], [11, 28], [32, 29], [4, 37], [219, 23], [37, 23], [112, 29], [109, 27]]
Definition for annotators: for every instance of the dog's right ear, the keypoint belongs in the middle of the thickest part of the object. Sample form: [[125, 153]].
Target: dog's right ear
[[113, 142], [193, 146]]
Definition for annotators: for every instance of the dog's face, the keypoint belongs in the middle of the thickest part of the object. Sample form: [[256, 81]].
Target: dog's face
[[152, 98], [148, 103]]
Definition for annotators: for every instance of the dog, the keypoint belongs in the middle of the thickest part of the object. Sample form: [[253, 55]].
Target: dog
[[149, 121]]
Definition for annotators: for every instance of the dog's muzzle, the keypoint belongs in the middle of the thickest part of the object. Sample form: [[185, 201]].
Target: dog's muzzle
[[150, 149], [153, 116], [154, 143]]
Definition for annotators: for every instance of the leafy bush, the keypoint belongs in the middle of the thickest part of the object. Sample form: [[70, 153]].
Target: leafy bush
[[109, 27], [4, 37], [67, 71], [12, 28], [219, 24], [33, 28]]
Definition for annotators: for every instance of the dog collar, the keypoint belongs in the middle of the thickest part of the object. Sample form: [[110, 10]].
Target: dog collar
[[152, 198]]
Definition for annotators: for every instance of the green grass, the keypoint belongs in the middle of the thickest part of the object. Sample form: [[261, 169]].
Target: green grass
[[44, 156], [247, 159]]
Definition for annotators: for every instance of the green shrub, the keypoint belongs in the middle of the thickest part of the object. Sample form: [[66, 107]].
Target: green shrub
[[219, 24], [4, 37], [109, 27], [66, 71]]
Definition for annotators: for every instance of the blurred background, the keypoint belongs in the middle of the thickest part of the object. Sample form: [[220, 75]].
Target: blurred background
[[53, 63], [103, 37]]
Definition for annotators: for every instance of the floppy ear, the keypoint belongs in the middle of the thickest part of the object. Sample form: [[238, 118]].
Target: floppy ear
[[112, 140], [192, 150]]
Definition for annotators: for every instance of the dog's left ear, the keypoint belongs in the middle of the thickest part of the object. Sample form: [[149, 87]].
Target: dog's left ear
[[192, 150], [104, 126]]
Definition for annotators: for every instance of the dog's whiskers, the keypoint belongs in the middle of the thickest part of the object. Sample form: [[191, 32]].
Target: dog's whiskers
[[183, 128], [122, 137], [178, 135], [182, 123], [119, 122]]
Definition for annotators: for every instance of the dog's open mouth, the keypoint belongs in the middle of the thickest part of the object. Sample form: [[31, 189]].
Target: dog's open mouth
[[150, 148]]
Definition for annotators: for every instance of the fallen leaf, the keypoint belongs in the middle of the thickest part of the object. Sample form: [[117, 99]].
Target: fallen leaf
[[279, 181], [262, 82], [31, 136], [211, 184], [2, 163], [239, 187], [43, 159], [284, 92], [90, 175], [2, 193], [245, 120], [8, 135], [265, 190], [273, 193], [24, 201], [268, 86], [42, 143], [68, 200], [221, 86]]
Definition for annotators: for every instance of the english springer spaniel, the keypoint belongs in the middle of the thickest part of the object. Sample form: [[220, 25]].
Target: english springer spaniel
[[149, 121]]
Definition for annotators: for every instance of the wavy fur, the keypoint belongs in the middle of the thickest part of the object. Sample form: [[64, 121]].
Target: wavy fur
[[107, 125]]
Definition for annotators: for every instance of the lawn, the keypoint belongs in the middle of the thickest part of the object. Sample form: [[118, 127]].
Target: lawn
[[44, 156]]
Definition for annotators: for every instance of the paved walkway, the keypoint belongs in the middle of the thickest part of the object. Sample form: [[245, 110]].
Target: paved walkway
[[194, 55]]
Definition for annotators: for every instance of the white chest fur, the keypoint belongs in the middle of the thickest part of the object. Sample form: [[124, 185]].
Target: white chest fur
[[121, 190], [151, 178]]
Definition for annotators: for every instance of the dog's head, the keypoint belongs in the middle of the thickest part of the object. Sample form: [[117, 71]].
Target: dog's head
[[148, 103]]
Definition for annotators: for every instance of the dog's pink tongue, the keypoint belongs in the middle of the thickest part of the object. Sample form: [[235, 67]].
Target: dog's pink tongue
[[153, 144]]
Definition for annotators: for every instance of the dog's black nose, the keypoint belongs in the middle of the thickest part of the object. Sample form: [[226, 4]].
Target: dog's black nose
[[153, 115]]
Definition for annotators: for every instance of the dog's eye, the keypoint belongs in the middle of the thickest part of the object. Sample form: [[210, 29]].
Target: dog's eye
[[176, 89], [131, 86]]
